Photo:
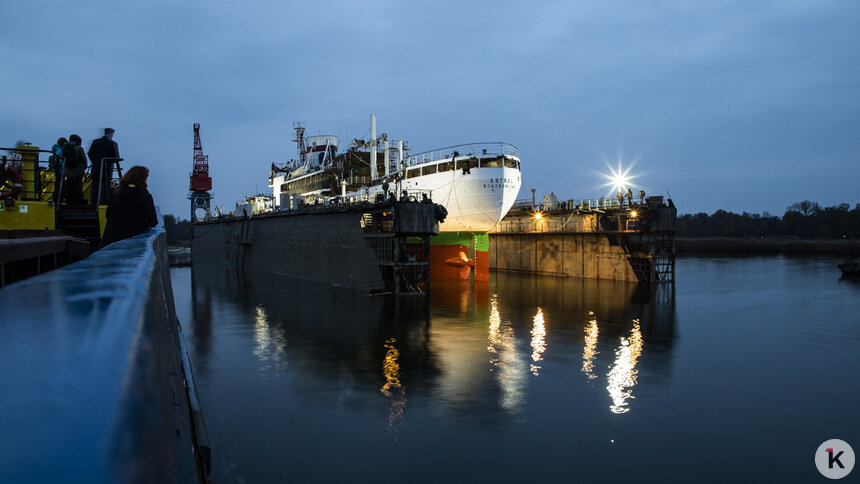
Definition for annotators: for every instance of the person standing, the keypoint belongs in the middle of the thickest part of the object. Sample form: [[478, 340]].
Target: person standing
[[74, 163], [101, 150], [131, 210], [55, 163]]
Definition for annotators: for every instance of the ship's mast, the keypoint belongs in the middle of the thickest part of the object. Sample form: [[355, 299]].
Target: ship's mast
[[300, 140], [200, 182]]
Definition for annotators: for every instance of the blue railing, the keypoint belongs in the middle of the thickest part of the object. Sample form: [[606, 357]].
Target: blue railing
[[96, 385]]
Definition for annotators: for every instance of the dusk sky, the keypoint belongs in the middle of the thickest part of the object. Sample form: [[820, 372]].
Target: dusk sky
[[745, 106]]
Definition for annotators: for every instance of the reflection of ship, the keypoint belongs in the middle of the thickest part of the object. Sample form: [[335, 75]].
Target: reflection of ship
[[477, 183], [476, 352]]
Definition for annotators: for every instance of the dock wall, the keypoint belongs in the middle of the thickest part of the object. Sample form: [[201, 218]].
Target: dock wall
[[621, 242], [97, 386], [588, 255]]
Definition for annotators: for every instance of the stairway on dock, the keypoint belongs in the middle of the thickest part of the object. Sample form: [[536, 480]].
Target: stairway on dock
[[81, 221]]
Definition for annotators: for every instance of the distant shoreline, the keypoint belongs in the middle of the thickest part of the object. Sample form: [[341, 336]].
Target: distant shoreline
[[772, 245]]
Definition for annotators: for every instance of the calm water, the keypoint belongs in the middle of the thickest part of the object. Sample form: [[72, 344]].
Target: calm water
[[739, 374]]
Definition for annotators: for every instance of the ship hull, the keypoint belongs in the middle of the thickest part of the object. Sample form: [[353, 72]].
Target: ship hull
[[475, 201], [460, 255]]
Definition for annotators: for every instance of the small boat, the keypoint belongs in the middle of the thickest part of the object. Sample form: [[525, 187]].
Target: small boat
[[851, 267]]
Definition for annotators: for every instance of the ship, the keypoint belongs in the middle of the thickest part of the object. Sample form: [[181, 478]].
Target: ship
[[369, 244], [477, 184]]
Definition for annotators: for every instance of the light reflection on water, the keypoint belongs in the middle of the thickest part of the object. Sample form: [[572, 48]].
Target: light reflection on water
[[589, 352], [392, 388], [538, 341], [509, 366], [622, 375], [291, 372]]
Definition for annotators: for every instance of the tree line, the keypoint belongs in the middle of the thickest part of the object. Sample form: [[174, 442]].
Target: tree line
[[178, 231], [804, 219]]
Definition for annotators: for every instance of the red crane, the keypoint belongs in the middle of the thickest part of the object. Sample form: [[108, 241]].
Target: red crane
[[200, 179]]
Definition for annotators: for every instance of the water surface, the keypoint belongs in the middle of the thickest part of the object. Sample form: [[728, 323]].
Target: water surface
[[740, 372]]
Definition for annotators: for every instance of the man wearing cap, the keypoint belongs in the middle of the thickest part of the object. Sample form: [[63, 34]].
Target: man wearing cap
[[104, 148]]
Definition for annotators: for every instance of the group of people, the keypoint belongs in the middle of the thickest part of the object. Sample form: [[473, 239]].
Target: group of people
[[70, 162], [130, 210]]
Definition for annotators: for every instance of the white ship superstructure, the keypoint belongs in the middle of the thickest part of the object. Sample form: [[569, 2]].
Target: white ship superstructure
[[477, 183]]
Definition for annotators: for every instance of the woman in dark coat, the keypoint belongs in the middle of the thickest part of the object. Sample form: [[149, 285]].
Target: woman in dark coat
[[131, 211]]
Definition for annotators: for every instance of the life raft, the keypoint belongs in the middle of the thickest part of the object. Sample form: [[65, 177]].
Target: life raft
[[10, 172]]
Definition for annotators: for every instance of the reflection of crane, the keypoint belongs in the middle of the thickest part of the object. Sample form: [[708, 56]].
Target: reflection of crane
[[200, 181]]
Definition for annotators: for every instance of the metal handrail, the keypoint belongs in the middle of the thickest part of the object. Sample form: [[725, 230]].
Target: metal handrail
[[583, 204], [101, 174], [468, 149]]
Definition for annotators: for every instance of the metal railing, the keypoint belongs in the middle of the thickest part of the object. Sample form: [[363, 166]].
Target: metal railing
[[585, 204], [24, 155], [111, 179], [464, 150]]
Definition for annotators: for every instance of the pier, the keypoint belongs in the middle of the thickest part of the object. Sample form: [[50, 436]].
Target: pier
[[99, 387], [622, 240]]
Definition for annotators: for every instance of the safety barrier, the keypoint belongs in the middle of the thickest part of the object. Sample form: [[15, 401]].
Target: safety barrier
[[469, 149], [97, 384]]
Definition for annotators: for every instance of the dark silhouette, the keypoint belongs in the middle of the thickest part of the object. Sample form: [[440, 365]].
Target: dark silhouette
[[55, 163], [131, 211], [804, 219], [102, 150], [74, 164]]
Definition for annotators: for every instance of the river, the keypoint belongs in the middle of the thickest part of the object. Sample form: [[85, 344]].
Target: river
[[738, 373]]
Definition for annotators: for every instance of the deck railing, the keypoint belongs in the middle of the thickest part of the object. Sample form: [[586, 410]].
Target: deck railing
[[468, 149], [585, 204]]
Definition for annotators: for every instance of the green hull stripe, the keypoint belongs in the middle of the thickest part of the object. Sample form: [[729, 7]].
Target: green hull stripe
[[481, 239], [482, 242]]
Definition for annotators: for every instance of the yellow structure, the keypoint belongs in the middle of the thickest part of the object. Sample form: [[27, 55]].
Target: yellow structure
[[33, 208], [27, 215]]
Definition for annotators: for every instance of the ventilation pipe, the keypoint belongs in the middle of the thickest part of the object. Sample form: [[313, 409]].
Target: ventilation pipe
[[372, 147], [387, 157]]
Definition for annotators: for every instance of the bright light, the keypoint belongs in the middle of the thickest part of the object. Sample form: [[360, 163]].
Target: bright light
[[619, 178], [620, 181], [634, 214], [538, 215]]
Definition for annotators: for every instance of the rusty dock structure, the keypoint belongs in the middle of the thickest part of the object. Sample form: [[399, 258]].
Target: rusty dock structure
[[616, 239]]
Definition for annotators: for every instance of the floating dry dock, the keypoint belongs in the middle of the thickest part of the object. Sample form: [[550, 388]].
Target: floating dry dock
[[601, 239], [364, 246]]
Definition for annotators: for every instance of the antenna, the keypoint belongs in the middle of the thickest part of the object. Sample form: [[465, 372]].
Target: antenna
[[300, 139]]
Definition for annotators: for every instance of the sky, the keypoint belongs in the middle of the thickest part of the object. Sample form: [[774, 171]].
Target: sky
[[736, 105]]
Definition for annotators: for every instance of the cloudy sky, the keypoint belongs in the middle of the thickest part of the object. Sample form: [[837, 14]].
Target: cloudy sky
[[746, 106]]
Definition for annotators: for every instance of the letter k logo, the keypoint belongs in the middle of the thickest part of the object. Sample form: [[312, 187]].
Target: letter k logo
[[834, 459], [831, 458]]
